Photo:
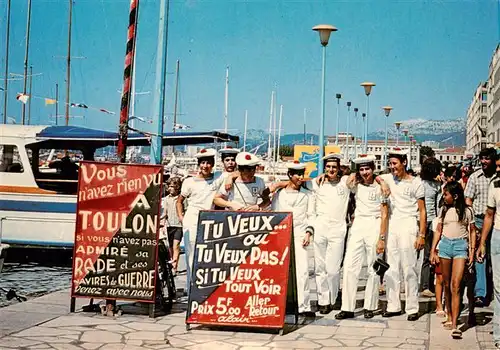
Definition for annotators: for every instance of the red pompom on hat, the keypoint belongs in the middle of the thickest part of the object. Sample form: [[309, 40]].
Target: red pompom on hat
[[203, 151], [248, 157]]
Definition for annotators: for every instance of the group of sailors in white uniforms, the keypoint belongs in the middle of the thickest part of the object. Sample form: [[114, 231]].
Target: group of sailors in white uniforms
[[388, 210]]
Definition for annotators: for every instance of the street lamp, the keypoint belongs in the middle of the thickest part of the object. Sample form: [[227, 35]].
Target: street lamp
[[405, 133], [363, 135], [324, 31], [368, 90], [397, 125], [347, 138], [355, 131], [338, 97], [387, 111], [410, 145]]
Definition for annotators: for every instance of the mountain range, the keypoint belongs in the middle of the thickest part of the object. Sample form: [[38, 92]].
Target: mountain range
[[447, 132]]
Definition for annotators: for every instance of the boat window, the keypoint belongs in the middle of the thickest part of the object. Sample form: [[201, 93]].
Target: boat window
[[10, 161], [58, 170]]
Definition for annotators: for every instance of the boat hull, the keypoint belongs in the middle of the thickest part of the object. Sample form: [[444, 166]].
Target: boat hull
[[37, 221]]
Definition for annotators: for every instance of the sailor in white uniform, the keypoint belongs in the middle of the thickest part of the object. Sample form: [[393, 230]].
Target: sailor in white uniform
[[248, 192], [200, 191], [331, 198], [228, 158], [366, 237], [406, 235], [296, 198]]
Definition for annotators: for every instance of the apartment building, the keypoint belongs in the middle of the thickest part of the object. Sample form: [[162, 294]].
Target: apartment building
[[493, 100], [477, 120], [452, 155]]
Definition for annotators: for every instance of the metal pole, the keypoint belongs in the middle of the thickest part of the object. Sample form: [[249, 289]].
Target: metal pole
[[161, 69], [26, 56], [347, 138], [29, 101], [177, 69], [363, 133], [279, 132], [57, 103], [6, 81], [226, 100], [245, 134], [385, 148], [274, 127], [132, 92], [322, 122], [366, 123], [337, 123], [355, 132], [305, 117], [125, 100], [68, 64], [269, 154]]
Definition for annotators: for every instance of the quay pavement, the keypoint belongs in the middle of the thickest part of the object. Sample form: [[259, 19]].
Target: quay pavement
[[45, 323]]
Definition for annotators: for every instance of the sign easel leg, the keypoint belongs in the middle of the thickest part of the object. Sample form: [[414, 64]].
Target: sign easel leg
[[152, 310], [72, 305]]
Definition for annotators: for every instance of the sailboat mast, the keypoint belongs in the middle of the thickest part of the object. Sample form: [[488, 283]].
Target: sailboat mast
[[279, 133], [305, 118], [128, 70], [177, 68], [6, 81], [156, 155], [245, 134], [26, 56], [68, 62], [132, 92], [226, 100], [269, 154], [57, 103], [29, 101], [274, 127]]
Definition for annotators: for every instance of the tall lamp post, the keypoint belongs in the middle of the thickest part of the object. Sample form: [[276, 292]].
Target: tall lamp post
[[324, 31], [363, 134], [398, 126], [405, 133], [347, 138], [355, 131], [338, 97], [368, 90], [410, 145], [387, 111]]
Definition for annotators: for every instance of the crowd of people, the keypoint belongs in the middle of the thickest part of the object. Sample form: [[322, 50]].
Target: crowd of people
[[428, 234]]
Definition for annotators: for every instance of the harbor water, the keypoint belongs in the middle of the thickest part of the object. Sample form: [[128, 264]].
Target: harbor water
[[32, 280]]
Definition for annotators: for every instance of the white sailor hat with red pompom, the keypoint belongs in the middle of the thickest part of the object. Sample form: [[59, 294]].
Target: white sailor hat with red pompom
[[364, 159], [296, 165], [205, 153], [229, 150], [398, 151], [336, 156], [247, 159]]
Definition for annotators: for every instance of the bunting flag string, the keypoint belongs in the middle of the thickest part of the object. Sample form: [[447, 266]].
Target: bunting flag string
[[50, 101], [22, 97], [178, 126]]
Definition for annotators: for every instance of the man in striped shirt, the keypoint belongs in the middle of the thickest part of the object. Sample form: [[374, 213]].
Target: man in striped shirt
[[476, 195]]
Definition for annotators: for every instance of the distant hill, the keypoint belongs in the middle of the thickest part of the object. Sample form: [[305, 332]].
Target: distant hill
[[447, 132]]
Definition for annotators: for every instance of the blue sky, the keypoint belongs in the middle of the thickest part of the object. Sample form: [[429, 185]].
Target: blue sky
[[426, 57]]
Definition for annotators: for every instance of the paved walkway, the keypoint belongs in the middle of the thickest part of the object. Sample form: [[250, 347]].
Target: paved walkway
[[45, 323]]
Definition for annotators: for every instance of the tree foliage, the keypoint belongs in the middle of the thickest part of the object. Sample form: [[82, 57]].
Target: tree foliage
[[426, 152], [286, 151]]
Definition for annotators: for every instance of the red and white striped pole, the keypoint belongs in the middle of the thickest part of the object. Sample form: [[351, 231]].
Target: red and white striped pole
[[127, 75]]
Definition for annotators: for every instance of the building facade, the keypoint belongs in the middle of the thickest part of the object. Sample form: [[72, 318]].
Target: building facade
[[494, 98], [377, 148], [477, 120], [452, 155]]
